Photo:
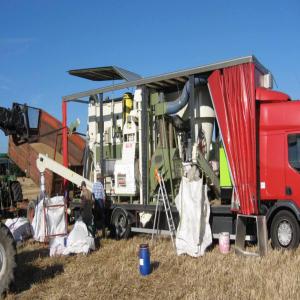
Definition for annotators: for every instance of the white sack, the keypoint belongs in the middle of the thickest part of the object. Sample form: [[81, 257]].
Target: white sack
[[55, 216], [79, 240], [38, 224], [57, 245], [56, 219], [20, 228], [193, 233]]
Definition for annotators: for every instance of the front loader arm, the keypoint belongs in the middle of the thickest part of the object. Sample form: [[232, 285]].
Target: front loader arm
[[44, 162]]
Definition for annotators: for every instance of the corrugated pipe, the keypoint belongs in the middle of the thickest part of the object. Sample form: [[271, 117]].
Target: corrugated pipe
[[173, 107]]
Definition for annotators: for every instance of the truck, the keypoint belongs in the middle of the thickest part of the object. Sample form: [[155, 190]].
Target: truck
[[20, 122], [224, 118]]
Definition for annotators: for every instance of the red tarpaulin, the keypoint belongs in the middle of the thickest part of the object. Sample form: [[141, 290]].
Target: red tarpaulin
[[233, 94]]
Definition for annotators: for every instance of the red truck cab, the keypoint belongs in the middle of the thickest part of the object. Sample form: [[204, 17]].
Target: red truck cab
[[279, 156]]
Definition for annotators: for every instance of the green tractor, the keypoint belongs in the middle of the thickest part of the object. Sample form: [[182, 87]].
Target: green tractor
[[10, 188], [22, 123]]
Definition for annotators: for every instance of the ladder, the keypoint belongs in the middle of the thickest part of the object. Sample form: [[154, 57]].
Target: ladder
[[162, 199]]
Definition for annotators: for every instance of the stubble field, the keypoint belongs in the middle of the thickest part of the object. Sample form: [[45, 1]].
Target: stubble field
[[111, 272]]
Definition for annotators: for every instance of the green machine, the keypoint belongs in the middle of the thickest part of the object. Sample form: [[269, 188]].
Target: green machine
[[225, 179], [168, 162], [10, 188], [165, 155]]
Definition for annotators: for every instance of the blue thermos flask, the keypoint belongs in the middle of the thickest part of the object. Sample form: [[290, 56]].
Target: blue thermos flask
[[144, 256]]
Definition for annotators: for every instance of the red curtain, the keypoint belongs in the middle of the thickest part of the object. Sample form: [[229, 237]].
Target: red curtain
[[233, 93]]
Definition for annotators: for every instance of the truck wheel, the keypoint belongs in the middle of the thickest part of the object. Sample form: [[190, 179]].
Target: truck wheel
[[120, 224], [7, 259], [16, 190], [285, 231]]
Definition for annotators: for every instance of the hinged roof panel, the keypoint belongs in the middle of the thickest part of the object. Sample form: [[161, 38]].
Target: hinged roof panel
[[105, 73]]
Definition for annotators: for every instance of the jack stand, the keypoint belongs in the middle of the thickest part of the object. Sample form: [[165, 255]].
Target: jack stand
[[261, 233]]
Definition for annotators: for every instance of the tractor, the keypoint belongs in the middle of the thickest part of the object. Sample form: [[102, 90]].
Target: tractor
[[22, 123]]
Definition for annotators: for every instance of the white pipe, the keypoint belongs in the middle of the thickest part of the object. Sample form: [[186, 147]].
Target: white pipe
[[112, 114], [207, 116], [138, 101]]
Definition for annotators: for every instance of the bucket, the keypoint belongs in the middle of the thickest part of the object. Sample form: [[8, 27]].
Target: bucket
[[144, 257], [224, 242]]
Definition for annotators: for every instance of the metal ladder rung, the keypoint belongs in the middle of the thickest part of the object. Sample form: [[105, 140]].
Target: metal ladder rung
[[163, 199]]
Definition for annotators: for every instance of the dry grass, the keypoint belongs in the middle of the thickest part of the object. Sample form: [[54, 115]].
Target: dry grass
[[111, 272]]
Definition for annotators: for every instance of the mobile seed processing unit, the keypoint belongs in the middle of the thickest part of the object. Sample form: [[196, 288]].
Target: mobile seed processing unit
[[167, 122], [223, 118]]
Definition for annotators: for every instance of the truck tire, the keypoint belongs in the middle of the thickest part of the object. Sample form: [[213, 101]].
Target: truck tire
[[7, 259], [285, 232], [16, 191], [120, 224]]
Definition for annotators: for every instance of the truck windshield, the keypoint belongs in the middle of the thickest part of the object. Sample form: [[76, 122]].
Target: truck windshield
[[294, 150]]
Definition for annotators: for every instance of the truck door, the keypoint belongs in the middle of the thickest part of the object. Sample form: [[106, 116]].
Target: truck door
[[292, 170]]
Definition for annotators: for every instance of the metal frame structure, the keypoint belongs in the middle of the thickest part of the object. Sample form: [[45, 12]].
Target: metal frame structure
[[168, 79], [171, 80]]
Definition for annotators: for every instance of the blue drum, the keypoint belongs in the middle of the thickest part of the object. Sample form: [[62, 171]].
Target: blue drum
[[144, 256]]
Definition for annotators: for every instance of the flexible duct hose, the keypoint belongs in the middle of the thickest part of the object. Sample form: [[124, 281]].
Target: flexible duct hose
[[173, 107]]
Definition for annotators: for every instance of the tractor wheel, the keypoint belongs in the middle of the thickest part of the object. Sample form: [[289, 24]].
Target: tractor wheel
[[7, 259], [285, 232], [16, 190]]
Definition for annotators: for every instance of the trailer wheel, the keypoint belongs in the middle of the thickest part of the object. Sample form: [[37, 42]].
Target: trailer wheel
[[285, 231], [120, 224], [7, 259], [16, 190]]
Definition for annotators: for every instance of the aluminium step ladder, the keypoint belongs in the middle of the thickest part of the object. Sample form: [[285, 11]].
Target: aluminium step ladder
[[163, 200]]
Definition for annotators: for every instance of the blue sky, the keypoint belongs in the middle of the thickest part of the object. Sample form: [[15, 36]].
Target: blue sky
[[41, 40]]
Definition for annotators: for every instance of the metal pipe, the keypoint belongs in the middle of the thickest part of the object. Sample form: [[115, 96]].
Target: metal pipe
[[113, 128], [137, 100], [162, 142], [169, 157], [145, 143], [191, 96], [171, 136], [101, 131], [55, 147], [65, 139]]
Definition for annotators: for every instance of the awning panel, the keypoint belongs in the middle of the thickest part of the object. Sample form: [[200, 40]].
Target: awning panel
[[105, 73]]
